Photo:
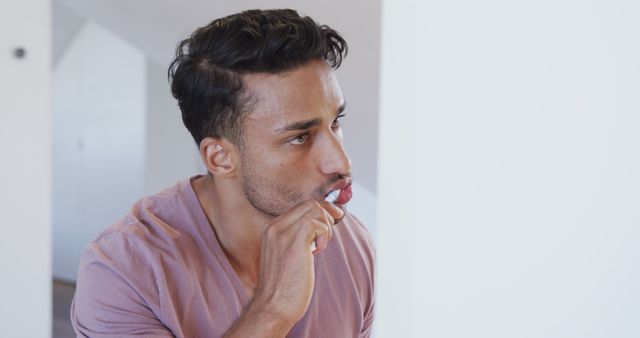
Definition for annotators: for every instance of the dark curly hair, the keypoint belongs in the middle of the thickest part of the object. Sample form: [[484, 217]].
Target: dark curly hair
[[205, 74]]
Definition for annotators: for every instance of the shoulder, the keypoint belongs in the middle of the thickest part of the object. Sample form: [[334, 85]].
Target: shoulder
[[137, 246], [124, 266], [116, 284], [151, 222]]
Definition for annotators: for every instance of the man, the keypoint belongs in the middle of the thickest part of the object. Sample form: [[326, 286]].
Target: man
[[251, 249]]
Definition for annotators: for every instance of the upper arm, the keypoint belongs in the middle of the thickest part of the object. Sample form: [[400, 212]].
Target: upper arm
[[107, 302]]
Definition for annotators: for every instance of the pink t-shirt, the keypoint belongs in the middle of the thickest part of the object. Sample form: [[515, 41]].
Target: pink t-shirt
[[160, 272]]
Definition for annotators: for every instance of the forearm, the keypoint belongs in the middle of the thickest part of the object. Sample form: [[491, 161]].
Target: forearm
[[258, 321]]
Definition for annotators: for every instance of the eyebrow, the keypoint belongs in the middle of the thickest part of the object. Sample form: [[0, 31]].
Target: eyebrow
[[306, 124]]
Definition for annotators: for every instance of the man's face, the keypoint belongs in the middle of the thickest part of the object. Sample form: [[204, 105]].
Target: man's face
[[293, 139]]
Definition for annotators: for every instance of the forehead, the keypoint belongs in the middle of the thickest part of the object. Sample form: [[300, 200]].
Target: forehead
[[306, 92]]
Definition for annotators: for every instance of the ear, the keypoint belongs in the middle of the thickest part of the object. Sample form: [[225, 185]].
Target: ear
[[217, 155]]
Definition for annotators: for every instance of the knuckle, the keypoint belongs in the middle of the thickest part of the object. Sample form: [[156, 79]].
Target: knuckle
[[321, 226]]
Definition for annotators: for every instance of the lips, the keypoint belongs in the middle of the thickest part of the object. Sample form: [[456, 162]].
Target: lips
[[343, 183], [344, 186], [345, 195]]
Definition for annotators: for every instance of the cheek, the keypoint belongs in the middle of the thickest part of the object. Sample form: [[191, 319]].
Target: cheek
[[297, 166], [277, 171], [286, 169]]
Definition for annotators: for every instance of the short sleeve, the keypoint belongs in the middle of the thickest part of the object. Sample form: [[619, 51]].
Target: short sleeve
[[111, 300]]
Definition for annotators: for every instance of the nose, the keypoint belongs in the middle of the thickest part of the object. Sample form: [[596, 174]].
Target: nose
[[334, 159]]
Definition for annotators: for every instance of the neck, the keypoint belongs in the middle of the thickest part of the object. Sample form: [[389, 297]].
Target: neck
[[239, 232]]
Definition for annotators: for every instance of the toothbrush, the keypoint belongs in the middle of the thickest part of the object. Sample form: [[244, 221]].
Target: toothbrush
[[331, 197]]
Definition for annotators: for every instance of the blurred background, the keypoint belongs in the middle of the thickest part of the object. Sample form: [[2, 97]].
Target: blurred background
[[495, 149]]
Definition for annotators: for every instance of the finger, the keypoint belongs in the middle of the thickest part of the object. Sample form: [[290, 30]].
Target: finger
[[311, 209], [334, 211], [325, 218], [321, 241], [319, 213], [308, 228], [320, 233], [293, 215]]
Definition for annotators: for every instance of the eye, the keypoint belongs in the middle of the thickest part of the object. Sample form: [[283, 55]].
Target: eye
[[300, 139], [336, 123]]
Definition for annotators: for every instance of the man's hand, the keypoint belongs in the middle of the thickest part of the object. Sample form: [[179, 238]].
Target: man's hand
[[286, 275]]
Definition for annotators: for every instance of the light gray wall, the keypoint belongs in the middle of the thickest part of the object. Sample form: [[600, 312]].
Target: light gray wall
[[65, 25], [99, 136], [25, 173], [509, 154], [171, 154]]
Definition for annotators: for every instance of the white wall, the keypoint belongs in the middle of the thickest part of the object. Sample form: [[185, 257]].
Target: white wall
[[25, 178], [171, 153], [99, 135], [65, 25], [509, 160], [363, 206]]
